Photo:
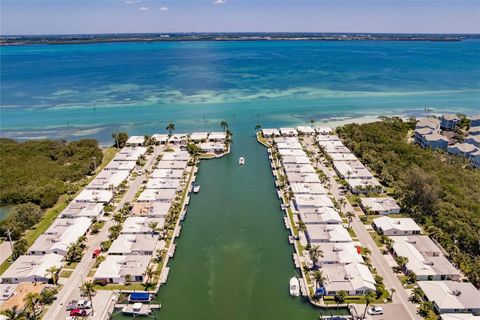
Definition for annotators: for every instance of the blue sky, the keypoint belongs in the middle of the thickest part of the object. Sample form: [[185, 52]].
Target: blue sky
[[118, 16]]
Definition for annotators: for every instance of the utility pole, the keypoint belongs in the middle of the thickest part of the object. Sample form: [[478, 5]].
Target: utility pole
[[10, 240]]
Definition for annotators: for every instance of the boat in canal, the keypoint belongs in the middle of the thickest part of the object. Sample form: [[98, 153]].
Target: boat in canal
[[294, 287], [241, 161], [137, 309], [196, 188]]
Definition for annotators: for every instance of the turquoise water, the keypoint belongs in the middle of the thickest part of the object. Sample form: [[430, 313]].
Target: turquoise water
[[91, 90]]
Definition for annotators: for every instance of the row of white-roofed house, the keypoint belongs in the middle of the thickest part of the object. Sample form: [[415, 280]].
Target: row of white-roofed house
[[73, 222], [341, 264], [208, 142], [143, 232], [347, 166]]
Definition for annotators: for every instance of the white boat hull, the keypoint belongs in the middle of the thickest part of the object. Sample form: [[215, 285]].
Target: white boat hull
[[294, 287]]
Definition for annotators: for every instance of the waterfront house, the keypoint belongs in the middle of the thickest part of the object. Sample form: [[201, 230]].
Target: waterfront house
[[108, 179], [425, 259], [473, 140], [420, 133], [160, 138], [178, 139], [82, 209], [167, 174], [288, 132], [163, 183], [291, 152], [326, 233], [120, 166], [323, 130], [474, 131], [175, 165], [140, 225], [116, 269], [322, 215], [339, 254], [269, 133], [217, 137], [31, 268], [212, 147], [289, 145], [354, 278], [136, 244], [452, 296], [299, 168], [383, 205], [475, 121], [435, 141], [449, 122], [312, 201], [153, 209], [305, 130], [307, 188], [431, 123], [295, 159], [176, 156], [95, 196], [396, 226], [135, 141], [462, 149], [60, 235], [295, 177], [158, 195], [199, 136]]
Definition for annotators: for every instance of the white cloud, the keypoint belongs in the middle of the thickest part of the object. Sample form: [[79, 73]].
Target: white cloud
[[219, 1], [143, 8], [131, 1], [164, 8]]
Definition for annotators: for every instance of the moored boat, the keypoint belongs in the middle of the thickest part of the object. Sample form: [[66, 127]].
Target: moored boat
[[294, 287], [241, 161]]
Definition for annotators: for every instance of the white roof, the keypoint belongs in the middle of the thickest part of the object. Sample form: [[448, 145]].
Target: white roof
[[163, 183], [212, 146], [305, 129], [130, 153], [327, 142], [291, 152], [401, 224], [327, 137], [134, 243], [327, 233], [342, 156], [459, 316], [270, 132], [320, 215], [352, 169], [167, 173], [295, 159], [120, 165], [288, 131], [149, 195], [295, 177], [318, 200], [341, 253], [355, 183], [120, 266], [82, 209], [442, 293], [301, 168], [323, 129], [179, 137], [168, 164], [60, 235], [160, 137], [350, 277], [151, 209], [289, 145], [176, 156], [140, 224], [136, 140], [217, 135], [381, 204], [33, 266], [107, 179], [199, 136], [308, 188], [95, 196]]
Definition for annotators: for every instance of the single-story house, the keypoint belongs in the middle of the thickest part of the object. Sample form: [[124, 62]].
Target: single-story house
[[212, 147], [396, 226], [382, 205], [330, 233], [342, 156], [163, 183], [108, 179], [95, 196], [354, 278], [295, 177], [178, 138], [339, 254], [121, 165], [160, 138], [82, 209], [176, 156], [167, 174], [199, 136], [140, 225], [452, 296], [359, 185], [268, 133], [31, 268], [136, 244], [154, 209], [312, 201], [299, 168], [168, 164], [130, 154], [308, 188], [288, 132], [324, 130], [295, 159], [160, 195], [323, 215], [217, 137], [135, 141], [305, 130], [115, 269], [351, 169]]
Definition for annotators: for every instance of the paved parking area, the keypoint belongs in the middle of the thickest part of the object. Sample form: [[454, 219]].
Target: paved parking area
[[391, 311]]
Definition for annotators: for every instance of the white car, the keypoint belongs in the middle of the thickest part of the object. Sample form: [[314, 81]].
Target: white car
[[375, 310]]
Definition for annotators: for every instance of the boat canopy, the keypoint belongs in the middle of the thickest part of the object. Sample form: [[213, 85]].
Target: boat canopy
[[139, 296]]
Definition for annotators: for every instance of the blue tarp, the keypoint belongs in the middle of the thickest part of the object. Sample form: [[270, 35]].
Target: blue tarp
[[139, 296], [320, 291]]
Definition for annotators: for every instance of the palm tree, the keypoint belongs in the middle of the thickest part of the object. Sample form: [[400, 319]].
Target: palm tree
[[340, 297], [416, 295], [153, 226], [118, 218], [402, 262], [224, 125], [74, 252], [315, 253], [88, 289], [53, 273], [318, 276], [342, 202], [170, 128], [258, 127], [349, 216], [149, 273], [391, 294], [31, 302], [19, 247], [369, 298], [13, 313], [365, 251]]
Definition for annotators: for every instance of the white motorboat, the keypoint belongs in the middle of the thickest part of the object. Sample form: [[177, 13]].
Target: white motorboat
[[294, 287], [137, 309], [241, 161], [196, 188]]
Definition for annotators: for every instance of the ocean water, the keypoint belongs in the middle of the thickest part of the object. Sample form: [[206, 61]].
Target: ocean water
[[92, 90]]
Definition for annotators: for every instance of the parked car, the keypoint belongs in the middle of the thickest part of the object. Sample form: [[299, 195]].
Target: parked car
[[84, 304], [72, 305], [96, 253], [375, 310], [78, 313]]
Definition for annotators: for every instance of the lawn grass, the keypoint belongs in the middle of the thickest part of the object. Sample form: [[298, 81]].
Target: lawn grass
[[66, 273], [376, 237]]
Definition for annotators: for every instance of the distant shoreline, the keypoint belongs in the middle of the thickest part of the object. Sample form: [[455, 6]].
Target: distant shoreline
[[13, 40]]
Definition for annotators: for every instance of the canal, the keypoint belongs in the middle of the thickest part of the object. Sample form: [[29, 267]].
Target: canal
[[233, 260]]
